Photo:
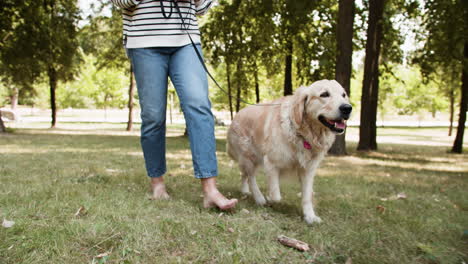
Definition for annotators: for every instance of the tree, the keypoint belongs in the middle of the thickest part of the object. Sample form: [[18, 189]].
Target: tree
[[269, 39], [18, 65], [445, 51], [2, 125], [103, 38], [57, 50], [370, 86], [131, 104], [293, 17], [458, 143], [109, 93], [240, 44], [39, 38], [344, 42]]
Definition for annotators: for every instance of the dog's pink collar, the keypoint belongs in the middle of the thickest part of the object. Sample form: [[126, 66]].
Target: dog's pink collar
[[306, 144]]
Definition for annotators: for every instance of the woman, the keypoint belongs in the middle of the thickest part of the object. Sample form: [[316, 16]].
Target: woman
[[158, 45]]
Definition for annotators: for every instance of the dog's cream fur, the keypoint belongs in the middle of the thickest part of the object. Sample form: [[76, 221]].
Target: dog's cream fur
[[273, 136]]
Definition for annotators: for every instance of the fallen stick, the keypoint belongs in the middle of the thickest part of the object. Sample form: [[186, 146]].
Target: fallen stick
[[294, 243]]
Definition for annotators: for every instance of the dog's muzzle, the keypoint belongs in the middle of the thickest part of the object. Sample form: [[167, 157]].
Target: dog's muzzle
[[345, 111], [338, 125]]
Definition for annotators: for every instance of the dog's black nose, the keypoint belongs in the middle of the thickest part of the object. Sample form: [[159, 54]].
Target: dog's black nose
[[345, 110]]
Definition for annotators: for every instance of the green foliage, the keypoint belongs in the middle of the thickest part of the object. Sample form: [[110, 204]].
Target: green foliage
[[39, 38], [92, 88], [102, 38], [3, 94], [404, 92], [410, 94], [254, 45], [18, 66], [78, 93], [38, 34], [110, 89], [443, 34]]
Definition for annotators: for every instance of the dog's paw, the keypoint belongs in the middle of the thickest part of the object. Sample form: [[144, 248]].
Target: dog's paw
[[273, 199], [260, 201], [311, 219], [245, 190], [248, 193]]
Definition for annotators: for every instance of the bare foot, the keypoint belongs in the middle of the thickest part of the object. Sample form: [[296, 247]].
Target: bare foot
[[213, 198], [158, 189], [216, 199]]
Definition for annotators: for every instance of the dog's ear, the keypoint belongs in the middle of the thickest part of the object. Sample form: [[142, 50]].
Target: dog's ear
[[298, 107]]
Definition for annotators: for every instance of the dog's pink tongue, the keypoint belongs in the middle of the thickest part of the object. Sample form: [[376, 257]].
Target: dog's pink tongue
[[340, 125]]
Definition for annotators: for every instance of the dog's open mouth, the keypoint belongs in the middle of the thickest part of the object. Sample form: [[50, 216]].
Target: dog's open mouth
[[337, 126]]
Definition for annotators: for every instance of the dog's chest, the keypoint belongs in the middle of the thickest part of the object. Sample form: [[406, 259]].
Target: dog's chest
[[287, 155]]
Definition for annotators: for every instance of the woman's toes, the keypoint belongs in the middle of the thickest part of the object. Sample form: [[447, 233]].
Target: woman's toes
[[218, 200]]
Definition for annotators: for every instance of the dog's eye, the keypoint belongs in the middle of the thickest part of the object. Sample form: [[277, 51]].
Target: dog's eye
[[325, 94], [344, 95]]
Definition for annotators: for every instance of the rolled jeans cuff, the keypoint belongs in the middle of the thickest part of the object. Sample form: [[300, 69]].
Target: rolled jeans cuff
[[206, 175], [156, 174]]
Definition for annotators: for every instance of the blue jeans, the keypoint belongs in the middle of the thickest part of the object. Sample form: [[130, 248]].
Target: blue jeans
[[152, 66]]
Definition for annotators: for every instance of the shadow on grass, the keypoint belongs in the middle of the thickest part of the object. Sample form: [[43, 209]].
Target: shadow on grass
[[84, 159], [96, 142]]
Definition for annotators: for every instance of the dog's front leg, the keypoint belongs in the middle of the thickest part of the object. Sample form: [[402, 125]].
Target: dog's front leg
[[307, 179], [272, 173]]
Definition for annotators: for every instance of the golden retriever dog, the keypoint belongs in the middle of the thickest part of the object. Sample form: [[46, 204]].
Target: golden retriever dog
[[289, 136]]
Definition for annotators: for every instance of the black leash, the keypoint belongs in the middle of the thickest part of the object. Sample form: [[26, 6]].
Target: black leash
[[164, 11], [200, 57]]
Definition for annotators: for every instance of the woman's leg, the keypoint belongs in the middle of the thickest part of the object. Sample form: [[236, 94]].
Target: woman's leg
[[150, 66], [189, 79]]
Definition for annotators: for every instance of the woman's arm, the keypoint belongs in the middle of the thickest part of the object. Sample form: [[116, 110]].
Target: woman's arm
[[125, 3], [202, 6]]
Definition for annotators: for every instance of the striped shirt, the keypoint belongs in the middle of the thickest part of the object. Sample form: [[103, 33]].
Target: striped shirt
[[146, 24]]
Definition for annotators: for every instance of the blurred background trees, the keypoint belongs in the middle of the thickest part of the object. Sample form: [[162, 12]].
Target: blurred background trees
[[414, 62]]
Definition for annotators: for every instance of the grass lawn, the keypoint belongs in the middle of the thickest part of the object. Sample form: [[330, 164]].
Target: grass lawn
[[47, 175]]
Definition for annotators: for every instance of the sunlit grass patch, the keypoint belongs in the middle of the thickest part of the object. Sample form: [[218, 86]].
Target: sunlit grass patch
[[405, 203]]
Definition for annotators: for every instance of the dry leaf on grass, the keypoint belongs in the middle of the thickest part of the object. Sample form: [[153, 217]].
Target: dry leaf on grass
[[380, 209], [231, 230], [7, 223], [401, 196], [395, 197], [105, 254], [349, 261], [294, 243], [245, 211], [80, 212]]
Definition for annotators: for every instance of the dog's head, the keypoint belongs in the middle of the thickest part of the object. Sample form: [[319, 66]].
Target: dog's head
[[324, 101]]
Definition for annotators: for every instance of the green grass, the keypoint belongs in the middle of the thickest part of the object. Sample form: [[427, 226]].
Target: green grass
[[47, 175]]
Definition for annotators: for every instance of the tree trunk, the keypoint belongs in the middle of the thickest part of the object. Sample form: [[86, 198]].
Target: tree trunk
[[131, 92], [53, 87], [238, 84], [452, 110], [257, 85], [14, 98], [288, 90], [370, 85], [344, 56], [2, 125], [458, 143], [171, 106], [228, 74]]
